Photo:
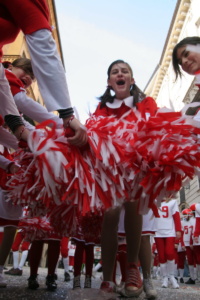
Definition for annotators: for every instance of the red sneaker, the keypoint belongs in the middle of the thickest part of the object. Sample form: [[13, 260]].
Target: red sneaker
[[108, 286], [133, 286]]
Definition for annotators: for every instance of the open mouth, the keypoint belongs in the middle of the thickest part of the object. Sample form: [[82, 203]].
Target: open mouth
[[120, 82]]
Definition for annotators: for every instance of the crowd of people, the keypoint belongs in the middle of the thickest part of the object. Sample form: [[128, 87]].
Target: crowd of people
[[112, 179]]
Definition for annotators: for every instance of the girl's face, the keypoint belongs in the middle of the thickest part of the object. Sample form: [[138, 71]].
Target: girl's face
[[22, 75], [189, 61], [120, 80]]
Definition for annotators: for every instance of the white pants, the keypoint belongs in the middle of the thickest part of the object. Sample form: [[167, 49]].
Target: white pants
[[48, 70], [7, 103]]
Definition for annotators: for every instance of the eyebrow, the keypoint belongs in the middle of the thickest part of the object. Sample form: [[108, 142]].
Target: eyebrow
[[124, 68], [183, 52]]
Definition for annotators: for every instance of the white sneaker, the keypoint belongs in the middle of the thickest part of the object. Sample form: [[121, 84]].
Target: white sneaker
[[3, 284], [174, 282], [165, 282], [149, 289]]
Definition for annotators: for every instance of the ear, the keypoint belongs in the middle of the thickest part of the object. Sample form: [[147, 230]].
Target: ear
[[132, 81]]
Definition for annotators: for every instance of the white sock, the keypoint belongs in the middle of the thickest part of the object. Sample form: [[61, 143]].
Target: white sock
[[15, 259], [195, 273], [23, 259], [198, 271], [66, 263], [97, 267], [181, 272], [171, 267], [175, 270], [191, 269], [163, 269]]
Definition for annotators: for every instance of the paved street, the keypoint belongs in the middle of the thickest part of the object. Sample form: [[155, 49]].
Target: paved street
[[17, 289]]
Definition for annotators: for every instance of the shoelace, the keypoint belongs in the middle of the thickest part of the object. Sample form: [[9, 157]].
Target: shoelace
[[134, 278]]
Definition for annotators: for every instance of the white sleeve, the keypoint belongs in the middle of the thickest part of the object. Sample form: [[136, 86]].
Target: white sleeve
[[34, 110], [7, 103], [4, 162], [175, 207], [197, 213], [197, 116], [7, 139], [28, 125]]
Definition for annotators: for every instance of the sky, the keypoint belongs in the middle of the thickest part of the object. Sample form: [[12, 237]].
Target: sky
[[95, 33]]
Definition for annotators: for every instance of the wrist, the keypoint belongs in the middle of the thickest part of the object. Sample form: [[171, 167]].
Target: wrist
[[68, 122]]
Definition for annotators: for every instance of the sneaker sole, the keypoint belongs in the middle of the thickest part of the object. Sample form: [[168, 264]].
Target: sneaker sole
[[128, 294], [151, 297], [13, 274]]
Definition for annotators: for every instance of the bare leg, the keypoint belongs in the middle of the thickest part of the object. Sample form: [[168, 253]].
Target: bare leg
[[109, 242], [145, 256], [133, 229], [8, 238]]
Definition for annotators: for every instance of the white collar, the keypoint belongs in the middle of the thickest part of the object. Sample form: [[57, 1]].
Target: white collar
[[117, 103]]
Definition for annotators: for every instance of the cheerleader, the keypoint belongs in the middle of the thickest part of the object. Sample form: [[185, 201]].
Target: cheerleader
[[72, 248], [145, 254], [186, 57], [64, 251], [33, 19], [156, 265], [23, 246], [196, 237], [180, 256], [187, 225], [20, 76], [168, 227], [87, 236], [39, 231], [9, 110], [19, 244], [127, 95], [9, 214]]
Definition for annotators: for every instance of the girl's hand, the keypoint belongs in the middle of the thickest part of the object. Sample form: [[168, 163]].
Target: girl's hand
[[80, 134]]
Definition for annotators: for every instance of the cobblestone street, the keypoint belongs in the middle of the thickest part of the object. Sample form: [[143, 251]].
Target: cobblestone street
[[17, 289]]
